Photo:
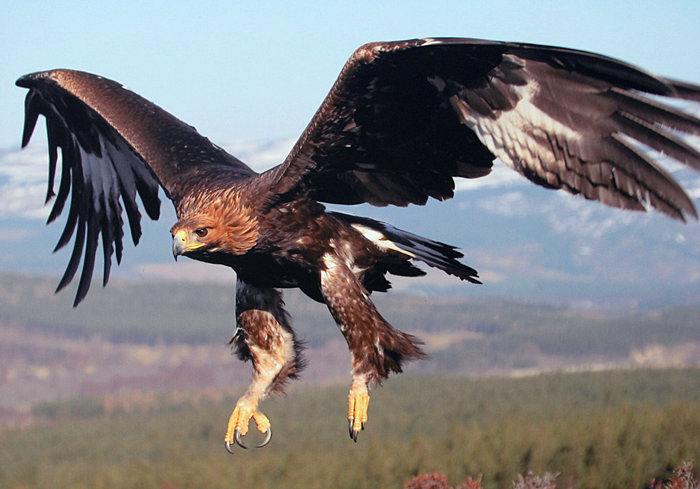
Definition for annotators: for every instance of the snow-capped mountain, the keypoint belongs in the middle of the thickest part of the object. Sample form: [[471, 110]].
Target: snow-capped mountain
[[526, 242]]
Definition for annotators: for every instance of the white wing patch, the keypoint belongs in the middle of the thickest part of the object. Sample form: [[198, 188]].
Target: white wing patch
[[379, 240], [429, 41], [521, 137]]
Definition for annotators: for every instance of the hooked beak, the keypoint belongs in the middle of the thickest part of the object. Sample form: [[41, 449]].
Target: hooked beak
[[181, 244]]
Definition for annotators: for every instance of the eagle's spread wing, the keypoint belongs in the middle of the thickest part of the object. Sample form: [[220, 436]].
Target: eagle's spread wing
[[115, 145], [404, 118]]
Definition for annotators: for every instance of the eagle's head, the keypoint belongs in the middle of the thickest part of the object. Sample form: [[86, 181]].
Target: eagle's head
[[220, 227]]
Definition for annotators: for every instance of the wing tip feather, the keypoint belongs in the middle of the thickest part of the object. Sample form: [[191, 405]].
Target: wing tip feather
[[48, 96]]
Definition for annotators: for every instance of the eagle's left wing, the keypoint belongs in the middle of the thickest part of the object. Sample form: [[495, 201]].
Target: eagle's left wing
[[405, 118]]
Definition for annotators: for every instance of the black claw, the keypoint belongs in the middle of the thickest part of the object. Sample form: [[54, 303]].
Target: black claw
[[239, 441], [267, 438], [227, 446], [237, 438], [354, 434]]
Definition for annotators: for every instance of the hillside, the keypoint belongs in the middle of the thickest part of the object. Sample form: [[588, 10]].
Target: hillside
[[202, 313], [159, 336], [133, 388]]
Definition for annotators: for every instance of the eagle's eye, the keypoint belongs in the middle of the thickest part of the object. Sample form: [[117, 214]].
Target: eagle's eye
[[201, 232]]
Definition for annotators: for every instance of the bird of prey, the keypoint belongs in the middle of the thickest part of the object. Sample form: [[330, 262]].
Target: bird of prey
[[402, 121]]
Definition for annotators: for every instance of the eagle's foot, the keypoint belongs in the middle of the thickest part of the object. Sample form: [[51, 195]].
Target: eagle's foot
[[238, 426], [358, 405]]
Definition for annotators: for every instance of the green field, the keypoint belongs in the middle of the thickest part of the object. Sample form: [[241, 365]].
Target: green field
[[597, 430]]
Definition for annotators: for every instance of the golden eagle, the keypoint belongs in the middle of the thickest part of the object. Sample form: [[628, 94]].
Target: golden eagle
[[400, 123]]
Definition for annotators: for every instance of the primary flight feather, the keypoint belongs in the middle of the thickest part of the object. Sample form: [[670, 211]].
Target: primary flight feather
[[403, 120]]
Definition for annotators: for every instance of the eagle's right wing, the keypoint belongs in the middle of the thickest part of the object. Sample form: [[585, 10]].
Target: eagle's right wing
[[114, 146]]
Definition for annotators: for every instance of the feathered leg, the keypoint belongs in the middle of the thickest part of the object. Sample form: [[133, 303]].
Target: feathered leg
[[263, 335], [377, 348]]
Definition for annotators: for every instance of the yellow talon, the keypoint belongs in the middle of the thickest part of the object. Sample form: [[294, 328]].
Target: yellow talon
[[261, 422], [238, 425], [358, 405]]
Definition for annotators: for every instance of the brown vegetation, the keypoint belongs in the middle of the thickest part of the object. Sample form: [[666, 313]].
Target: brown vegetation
[[683, 478]]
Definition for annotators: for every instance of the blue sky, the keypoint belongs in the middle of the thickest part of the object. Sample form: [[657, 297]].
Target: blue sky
[[259, 70]]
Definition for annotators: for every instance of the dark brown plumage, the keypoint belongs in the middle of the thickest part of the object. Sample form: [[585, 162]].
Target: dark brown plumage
[[400, 123]]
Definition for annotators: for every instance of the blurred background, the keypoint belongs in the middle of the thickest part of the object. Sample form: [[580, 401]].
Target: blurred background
[[138, 379]]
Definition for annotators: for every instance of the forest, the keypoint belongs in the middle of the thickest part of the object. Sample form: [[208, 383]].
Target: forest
[[595, 430]]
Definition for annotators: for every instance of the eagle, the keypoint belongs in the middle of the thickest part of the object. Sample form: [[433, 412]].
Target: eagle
[[403, 120]]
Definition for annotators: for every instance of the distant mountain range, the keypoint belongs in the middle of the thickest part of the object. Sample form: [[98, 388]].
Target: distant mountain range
[[527, 242]]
